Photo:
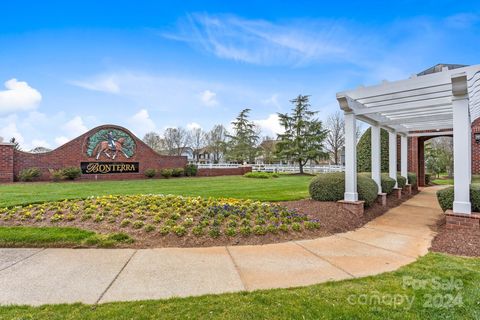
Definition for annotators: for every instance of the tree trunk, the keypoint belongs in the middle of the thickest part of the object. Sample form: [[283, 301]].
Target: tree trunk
[[301, 167]]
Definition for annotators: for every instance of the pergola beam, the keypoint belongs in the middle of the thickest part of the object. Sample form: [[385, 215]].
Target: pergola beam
[[414, 119], [431, 134], [407, 106]]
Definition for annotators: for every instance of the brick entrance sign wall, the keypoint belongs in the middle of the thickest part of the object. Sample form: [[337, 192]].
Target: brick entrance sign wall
[[83, 149]]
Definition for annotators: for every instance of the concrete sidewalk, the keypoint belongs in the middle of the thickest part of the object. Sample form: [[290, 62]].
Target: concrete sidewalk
[[41, 276]]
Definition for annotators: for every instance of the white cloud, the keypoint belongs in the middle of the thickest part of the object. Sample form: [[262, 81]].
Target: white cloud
[[61, 140], [267, 43], [74, 127], [273, 101], [103, 83], [10, 130], [270, 126], [462, 20], [209, 98], [19, 96], [193, 125], [141, 123]]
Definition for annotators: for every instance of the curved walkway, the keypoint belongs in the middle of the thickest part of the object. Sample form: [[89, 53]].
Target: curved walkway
[[40, 276]]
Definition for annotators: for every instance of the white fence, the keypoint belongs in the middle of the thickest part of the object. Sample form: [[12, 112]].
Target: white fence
[[278, 167]]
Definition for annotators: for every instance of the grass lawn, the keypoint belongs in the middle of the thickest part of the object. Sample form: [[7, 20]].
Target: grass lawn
[[55, 236], [443, 180], [437, 286], [277, 189]]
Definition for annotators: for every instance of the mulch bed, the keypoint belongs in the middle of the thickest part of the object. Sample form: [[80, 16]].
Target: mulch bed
[[457, 241], [332, 217]]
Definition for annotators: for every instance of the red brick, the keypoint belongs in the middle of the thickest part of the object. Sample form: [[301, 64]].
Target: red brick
[[74, 152]]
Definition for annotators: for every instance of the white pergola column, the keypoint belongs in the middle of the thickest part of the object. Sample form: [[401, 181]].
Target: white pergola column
[[392, 156], [350, 158], [404, 157], [376, 156], [461, 151]]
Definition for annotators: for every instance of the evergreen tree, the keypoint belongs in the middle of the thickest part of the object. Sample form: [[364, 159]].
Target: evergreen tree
[[242, 146], [16, 144], [304, 135]]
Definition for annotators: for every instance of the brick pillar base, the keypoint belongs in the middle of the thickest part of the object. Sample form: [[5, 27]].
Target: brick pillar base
[[408, 189], [382, 199], [355, 207], [397, 192], [458, 220]]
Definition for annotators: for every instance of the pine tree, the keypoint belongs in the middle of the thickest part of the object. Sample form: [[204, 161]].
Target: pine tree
[[16, 144], [304, 134], [242, 146]]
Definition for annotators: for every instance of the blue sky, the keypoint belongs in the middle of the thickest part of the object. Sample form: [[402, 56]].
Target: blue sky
[[148, 65]]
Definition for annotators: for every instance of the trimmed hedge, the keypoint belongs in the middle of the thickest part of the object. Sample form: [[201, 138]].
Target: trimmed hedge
[[72, 173], [445, 197], [412, 178], [261, 175], [331, 187], [150, 173], [401, 180], [364, 151], [191, 170], [178, 172], [166, 173], [387, 183]]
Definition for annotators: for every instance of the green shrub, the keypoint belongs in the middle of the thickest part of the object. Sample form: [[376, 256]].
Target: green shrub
[[56, 175], [120, 237], [138, 224], [364, 151], [401, 181], [150, 173], [261, 175], [445, 197], [29, 174], [412, 178], [177, 172], [387, 183], [191, 170], [166, 173], [72, 173], [149, 228], [331, 187], [428, 178]]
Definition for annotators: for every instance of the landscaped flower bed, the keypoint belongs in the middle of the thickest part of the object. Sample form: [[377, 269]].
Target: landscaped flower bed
[[165, 215]]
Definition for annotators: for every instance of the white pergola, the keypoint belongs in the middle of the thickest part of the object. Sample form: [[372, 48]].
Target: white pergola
[[449, 99]]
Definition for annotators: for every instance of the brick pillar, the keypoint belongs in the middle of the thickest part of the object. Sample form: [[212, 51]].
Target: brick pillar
[[475, 148], [413, 156], [6, 162], [421, 163]]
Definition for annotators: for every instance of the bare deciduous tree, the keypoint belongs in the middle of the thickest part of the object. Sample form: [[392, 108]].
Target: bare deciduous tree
[[154, 141], [217, 141], [267, 147], [198, 139], [176, 140], [336, 136]]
